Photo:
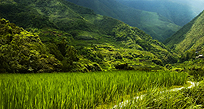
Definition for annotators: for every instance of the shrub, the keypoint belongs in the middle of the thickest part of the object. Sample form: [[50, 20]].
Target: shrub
[[23, 52]]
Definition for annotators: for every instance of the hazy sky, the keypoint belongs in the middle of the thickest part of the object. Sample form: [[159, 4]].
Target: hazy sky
[[196, 5]]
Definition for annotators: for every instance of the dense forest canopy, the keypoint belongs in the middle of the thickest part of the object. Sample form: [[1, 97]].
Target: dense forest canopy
[[77, 39], [65, 37]]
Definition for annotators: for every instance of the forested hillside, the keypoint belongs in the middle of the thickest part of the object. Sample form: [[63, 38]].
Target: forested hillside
[[55, 54], [22, 51], [78, 38], [154, 24], [190, 37]]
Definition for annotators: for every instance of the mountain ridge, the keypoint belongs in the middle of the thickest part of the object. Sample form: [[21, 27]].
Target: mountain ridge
[[190, 37], [152, 23], [84, 41]]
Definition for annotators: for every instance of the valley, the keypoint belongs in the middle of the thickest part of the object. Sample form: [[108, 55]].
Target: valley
[[91, 39], [59, 54], [153, 23]]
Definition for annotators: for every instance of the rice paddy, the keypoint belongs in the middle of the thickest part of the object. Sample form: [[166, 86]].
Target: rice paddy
[[187, 98], [79, 90]]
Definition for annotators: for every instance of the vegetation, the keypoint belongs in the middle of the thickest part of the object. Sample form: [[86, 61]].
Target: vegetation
[[79, 90], [193, 67], [24, 16], [21, 51], [59, 36], [188, 42], [185, 98], [83, 41], [190, 37], [80, 40], [156, 25]]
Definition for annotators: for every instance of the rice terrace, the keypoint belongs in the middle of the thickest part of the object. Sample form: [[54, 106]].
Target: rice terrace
[[93, 90], [80, 90], [101, 54]]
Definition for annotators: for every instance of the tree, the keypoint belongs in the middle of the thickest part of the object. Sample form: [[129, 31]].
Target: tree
[[23, 52]]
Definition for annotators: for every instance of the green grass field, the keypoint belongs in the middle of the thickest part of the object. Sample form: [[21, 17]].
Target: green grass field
[[187, 98], [79, 90]]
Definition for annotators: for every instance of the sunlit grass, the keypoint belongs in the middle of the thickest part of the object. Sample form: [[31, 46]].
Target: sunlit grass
[[187, 98], [79, 90]]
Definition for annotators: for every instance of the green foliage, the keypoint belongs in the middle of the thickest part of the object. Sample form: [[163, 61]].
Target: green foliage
[[53, 49], [152, 23], [79, 90], [188, 55], [158, 62], [196, 94], [144, 45], [81, 39], [124, 67], [168, 66], [189, 37], [184, 99], [66, 54], [24, 16], [194, 67], [23, 52], [69, 58], [197, 73], [91, 54]]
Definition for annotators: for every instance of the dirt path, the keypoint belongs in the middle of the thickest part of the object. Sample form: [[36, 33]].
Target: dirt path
[[124, 103]]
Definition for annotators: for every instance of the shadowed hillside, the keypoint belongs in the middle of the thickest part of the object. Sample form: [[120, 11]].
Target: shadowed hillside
[[152, 23], [84, 41], [190, 37]]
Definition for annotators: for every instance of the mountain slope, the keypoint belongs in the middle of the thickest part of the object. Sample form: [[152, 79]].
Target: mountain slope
[[82, 40], [190, 37], [179, 13], [152, 23], [23, 52]]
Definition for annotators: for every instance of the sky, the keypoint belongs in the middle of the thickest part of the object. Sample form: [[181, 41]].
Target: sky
[[196, 5]]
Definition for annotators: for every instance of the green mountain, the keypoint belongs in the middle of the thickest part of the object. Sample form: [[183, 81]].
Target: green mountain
[[152, 23], [78, 38], [190, 37]]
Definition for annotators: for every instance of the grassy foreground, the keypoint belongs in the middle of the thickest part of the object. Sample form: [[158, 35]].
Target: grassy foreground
[[187, 98], [78, 90]]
